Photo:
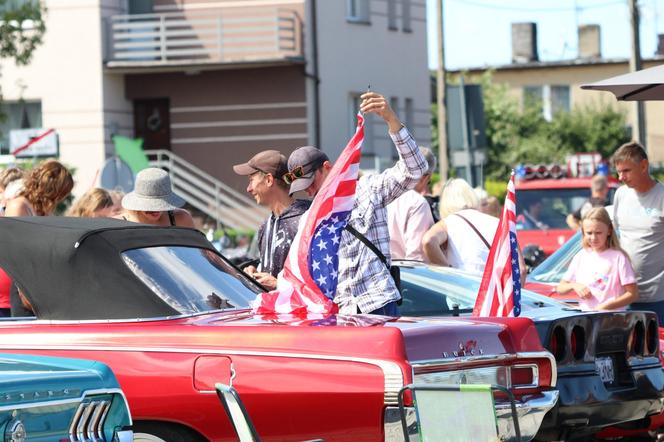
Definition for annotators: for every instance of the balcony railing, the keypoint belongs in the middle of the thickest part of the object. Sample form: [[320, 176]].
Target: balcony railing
[[205, 37]]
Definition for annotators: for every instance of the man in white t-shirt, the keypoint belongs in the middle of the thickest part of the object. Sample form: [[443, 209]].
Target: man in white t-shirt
[[638, 216]]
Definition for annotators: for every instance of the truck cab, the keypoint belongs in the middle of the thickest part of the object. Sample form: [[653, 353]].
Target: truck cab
[[546, 194]]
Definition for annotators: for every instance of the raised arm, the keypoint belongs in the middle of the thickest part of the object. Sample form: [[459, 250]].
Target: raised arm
[[393, 182]]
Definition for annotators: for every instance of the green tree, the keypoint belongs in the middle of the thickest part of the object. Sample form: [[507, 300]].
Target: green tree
[[22, 29], [518, 133]]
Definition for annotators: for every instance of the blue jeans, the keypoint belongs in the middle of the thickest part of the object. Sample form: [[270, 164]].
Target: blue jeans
[[657, 307], [389, 309]]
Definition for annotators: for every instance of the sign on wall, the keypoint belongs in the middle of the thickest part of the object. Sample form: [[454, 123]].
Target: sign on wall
[[36, 142]]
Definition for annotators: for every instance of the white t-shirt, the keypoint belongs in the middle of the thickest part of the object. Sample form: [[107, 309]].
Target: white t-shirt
[[639, 220], [465, 249]]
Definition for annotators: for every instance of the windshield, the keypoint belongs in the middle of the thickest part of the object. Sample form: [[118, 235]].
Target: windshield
[[552, 269], [541, 209], [191, 280], [435, 291]]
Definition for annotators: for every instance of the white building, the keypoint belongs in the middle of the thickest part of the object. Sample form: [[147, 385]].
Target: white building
[[215, 81]]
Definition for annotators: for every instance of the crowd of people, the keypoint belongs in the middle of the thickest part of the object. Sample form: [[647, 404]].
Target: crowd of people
[[395, 216]]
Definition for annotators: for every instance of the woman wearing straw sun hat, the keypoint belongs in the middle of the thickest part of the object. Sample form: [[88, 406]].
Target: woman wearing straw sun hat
[[153, 201]]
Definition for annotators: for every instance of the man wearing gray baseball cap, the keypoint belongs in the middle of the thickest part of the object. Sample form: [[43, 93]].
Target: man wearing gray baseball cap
[[365, 284], [265, 172]]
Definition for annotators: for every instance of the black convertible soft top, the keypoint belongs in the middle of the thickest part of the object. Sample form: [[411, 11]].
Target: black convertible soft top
[[72, 268]]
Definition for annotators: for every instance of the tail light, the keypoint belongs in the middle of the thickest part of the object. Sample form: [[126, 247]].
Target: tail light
[[88, 422], [636, 340], [525, 376], [577, 342], [652, 337], [557, 343]]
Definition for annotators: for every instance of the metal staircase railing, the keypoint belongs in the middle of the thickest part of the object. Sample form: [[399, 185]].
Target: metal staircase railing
[[227, 206]]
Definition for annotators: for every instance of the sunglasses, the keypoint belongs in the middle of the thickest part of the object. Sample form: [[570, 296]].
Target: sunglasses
[[299, 172]]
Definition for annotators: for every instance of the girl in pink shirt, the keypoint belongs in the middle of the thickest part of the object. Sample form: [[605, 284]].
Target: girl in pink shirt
[[601, 273]]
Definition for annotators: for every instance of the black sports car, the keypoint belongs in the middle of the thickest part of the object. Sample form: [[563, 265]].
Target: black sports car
[[609, 372]]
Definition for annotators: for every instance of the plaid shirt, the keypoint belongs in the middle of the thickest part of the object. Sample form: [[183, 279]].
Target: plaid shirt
[[365, 282]]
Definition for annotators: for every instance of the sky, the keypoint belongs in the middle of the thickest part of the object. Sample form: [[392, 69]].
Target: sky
[[478, 32]]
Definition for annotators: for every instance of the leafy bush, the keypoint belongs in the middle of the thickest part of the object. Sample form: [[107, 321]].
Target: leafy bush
[[518, 133]]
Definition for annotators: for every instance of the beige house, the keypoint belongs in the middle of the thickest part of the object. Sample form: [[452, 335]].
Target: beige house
[[558, 82], [211, 82]]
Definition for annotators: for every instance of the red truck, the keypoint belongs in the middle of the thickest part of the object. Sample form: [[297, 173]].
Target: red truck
[[545, 195]]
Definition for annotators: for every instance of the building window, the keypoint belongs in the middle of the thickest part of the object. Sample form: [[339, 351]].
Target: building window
[[13, 5], [406, 16], [560, 100], [392, 15], [550, 99], [19, 115], [409, 115], [357, 11], [353, 108]]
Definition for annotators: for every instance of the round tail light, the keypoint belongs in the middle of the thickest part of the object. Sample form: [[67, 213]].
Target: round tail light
[[577, 342], [652, 337], [557, 343], [636, 339]]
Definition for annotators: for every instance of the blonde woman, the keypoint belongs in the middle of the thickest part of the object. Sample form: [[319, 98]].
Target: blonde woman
[[95, 203], [462, 238]]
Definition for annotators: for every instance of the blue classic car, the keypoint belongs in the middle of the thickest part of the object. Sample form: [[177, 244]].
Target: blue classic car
[[56, 399]]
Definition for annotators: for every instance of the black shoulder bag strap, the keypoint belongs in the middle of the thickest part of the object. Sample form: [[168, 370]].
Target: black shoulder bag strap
[[367, 243], [394, 271], [486, 243]]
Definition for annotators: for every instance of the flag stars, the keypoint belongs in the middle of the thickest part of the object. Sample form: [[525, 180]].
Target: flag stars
[[335, 240], [331, 228], [315, 265], [321, 244], [328, 260], [334, 274], [322, 280]]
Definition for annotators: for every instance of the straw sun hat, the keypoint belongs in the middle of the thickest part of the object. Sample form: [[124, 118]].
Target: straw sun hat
[[152, 192]]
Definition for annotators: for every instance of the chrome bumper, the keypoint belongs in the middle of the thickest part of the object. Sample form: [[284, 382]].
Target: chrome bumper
[[530, 413], [123, 436]]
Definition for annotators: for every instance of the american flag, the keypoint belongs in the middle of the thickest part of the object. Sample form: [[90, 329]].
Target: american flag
[[308, 281], [500, 289]]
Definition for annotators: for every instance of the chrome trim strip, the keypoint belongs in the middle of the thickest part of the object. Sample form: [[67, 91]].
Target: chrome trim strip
[[82, 423], [391, 371], [431, 363]]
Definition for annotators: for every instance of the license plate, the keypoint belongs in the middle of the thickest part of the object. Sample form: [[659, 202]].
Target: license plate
[[604, 366]]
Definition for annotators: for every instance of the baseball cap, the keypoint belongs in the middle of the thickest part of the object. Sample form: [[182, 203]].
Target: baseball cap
[[267, 161], [305, 160]]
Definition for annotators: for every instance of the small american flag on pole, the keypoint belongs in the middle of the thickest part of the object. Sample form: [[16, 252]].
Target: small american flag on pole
[[308, 281], [500, 289]]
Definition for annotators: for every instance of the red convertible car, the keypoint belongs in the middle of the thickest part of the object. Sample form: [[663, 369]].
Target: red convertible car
[[169, 315]]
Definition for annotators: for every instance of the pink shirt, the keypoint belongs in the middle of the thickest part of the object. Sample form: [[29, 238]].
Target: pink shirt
[[604, 273], [408, 219]]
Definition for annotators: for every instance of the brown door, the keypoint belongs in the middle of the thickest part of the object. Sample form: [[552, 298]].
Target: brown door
[[152, 123]]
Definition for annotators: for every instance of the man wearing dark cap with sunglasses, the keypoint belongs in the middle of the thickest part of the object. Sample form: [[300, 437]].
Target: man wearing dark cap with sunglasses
[[365, 283], [265, 171]]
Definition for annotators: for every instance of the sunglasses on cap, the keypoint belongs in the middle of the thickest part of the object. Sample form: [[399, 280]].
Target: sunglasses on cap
[[299, 172]]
